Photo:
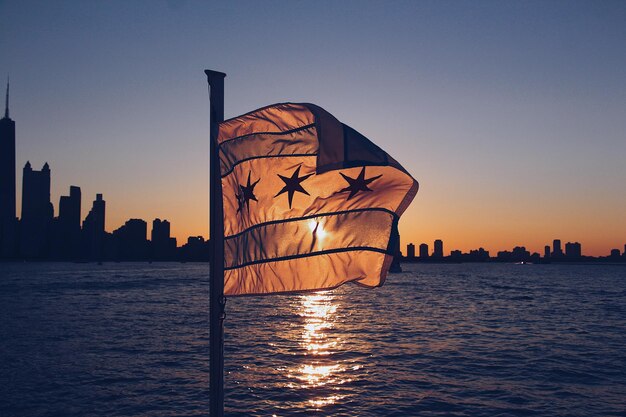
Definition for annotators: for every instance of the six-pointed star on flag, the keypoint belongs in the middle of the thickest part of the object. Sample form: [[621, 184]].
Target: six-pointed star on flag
[[292, 185], [247, 192], [357, 184]]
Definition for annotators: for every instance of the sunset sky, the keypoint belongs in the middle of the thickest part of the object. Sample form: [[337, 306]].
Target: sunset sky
[[511, 115]]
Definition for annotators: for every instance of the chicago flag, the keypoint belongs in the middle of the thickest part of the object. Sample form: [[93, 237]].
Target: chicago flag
[[309, 203]]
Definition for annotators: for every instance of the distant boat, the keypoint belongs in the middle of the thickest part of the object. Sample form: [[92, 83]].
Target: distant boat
[[523, 263]]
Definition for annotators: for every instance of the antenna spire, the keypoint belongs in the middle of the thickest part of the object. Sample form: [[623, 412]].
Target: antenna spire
[[6, 108]]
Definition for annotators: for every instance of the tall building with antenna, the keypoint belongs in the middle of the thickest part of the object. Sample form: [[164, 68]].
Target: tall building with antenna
[[8, 222]]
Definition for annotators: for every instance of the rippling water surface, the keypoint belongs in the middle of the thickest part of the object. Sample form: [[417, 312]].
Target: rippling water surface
[[445, 340]]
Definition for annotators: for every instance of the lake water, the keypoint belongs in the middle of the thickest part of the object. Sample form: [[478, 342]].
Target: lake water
[[436, 340]]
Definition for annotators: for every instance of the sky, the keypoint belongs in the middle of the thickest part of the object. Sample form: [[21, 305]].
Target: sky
[[511, 115]]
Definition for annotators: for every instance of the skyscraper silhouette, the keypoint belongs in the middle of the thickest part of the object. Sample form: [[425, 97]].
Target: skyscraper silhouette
[[395, 249], [410, 251], [37, 212], [66, 242], [160, 230], [93, 230], [8, 222], [438, 251], [163, 246], [557, 252]]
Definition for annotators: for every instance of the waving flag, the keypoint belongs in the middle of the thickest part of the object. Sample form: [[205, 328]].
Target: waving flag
[[309, 203]]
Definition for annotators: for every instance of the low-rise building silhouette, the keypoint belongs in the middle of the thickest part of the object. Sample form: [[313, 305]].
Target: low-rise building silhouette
[[519, 254], [196, 249], [456, 255], [479, 255], [573, 250]]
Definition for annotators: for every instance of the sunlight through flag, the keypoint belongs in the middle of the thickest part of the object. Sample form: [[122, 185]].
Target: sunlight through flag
[[309, 203]]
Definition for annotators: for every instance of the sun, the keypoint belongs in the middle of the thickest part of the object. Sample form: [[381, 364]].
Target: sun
[[317, 228]]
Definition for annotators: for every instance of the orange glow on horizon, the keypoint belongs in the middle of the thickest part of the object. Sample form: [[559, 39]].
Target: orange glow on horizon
[[426, 219]]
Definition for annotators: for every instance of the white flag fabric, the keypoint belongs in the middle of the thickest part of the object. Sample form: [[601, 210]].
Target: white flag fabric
[[309, 203]]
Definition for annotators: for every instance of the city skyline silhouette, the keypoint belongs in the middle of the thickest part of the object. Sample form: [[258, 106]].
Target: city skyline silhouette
[[516, 134], [38, 235]]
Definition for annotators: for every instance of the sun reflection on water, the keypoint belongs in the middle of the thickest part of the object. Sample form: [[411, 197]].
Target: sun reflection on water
[[318, 311], [319, 369]]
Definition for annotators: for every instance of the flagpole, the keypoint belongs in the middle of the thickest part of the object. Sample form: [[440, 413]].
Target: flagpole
[[216, 268]]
